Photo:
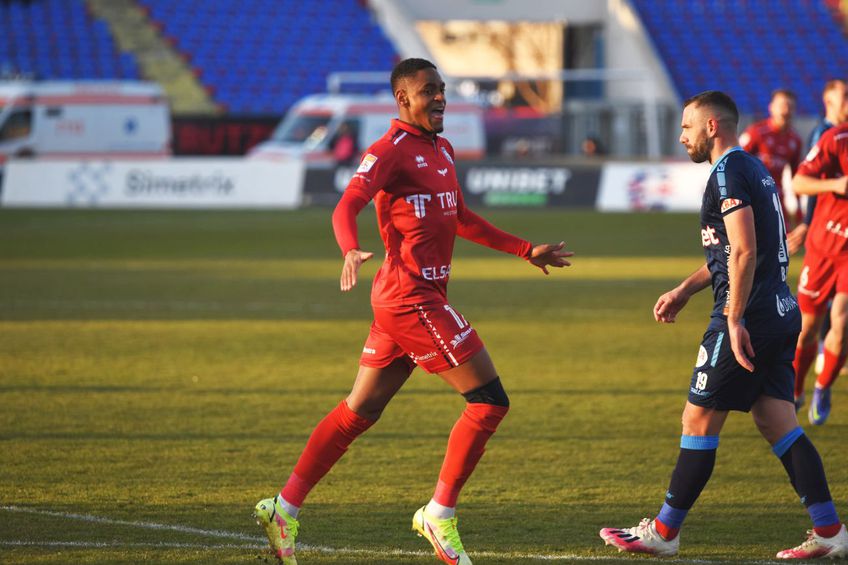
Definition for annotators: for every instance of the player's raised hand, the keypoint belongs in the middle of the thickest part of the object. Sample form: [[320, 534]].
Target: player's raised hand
[[352, 261], [550, 255], [669, 304], [740, 344]]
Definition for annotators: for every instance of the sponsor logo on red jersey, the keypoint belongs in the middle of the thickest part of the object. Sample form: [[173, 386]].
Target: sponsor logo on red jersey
[[417, 201]]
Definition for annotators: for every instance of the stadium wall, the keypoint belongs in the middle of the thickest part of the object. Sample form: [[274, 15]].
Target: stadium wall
[[174, 183], [233, 183], [236, 183]]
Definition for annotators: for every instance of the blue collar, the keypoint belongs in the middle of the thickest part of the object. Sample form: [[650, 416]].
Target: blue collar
[[723, 155]]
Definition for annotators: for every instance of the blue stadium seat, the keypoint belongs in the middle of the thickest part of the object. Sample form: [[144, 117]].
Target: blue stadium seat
[[59, 39], [797, 44], [263, 55]]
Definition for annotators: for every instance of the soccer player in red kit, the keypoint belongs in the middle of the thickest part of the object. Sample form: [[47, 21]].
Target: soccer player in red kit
[[410, 175], [824, 174], [835, 99], [776, 144]]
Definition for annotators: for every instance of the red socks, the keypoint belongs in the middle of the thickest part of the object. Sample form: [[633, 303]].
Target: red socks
[[804, 357], [828, 531], [667, 533], [334, 434], [465, 448], [832, 365], [328, 442]]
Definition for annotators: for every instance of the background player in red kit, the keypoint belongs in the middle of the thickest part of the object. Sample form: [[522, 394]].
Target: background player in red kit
[[409, 173], [825, 272], [835, 99], [776, 144]]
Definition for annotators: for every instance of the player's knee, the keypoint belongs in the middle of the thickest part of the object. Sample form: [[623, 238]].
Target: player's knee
[[764, 425], [490, 393], [370, 409], [837, 327], [695, 426], [809, 334]]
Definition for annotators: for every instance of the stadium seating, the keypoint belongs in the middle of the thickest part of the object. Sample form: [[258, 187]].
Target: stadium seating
[[748, 48], [260, 56], [59, 39]]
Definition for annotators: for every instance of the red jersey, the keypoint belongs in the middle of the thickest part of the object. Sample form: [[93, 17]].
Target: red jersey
[[420, 210], [775, 148], [829, 159]]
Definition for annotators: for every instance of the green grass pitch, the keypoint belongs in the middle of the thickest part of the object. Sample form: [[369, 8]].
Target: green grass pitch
[[161, 371]]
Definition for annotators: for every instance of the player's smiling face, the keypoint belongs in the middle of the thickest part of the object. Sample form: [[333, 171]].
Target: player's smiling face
[[421, 101], [694, 135]]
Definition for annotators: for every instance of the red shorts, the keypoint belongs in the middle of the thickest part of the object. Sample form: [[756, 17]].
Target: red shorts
[[821, 277], [433, 336]]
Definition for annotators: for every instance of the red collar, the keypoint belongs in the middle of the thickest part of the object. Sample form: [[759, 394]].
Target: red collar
[[409, 128]]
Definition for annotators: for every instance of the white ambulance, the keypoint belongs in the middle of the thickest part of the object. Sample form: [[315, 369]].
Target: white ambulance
[[312, 126], [83, 119]]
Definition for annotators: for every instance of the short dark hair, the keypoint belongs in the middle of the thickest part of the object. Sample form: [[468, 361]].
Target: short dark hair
[[785, 92], [408, 68], [716, 100]]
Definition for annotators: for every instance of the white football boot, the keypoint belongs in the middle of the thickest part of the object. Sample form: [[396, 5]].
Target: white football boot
[[817, 547], [643, 538]]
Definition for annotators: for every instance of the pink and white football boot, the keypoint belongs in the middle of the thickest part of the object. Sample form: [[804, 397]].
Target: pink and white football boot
[[816, 547], [643, 538]]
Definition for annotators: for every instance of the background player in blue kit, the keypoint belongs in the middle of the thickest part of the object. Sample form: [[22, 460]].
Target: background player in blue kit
[[745, 359]]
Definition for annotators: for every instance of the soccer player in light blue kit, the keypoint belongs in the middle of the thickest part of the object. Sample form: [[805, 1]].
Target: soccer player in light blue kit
[[745, 359]]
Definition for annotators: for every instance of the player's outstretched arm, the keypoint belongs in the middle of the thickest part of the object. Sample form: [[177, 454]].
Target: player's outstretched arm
[[672, 302], [811, 186], [550, 255], [474, 228]]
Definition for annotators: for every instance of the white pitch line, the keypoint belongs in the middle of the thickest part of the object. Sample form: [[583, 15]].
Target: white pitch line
[[137, 524], [259, 542], [119, 544]]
